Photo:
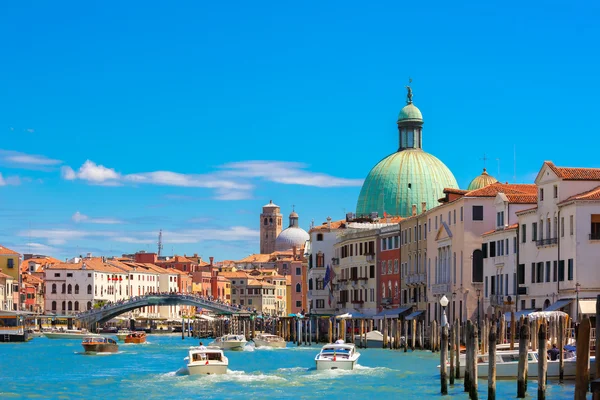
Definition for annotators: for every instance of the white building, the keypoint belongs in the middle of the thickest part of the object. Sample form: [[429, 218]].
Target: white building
[[320, 254], [6, 292], [559, 241]]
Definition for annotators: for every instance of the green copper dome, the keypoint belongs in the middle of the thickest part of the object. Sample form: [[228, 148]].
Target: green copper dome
[[402, 179], [482, 181], [410, 113], [408, 177]]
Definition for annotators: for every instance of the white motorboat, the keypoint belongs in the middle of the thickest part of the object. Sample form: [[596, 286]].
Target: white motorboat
[[337, 356], [123, 333], [507, 365], [268, 340], [207, 361], [70, 334], [230, 342]]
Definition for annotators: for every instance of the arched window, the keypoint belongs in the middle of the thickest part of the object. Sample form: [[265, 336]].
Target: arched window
[[390, 288], [76, 289], [89, 305], [310, 284], [89, 289], [270, 221], [64, 305], [383, 290], [76, 306], [396, 289], [101, 290], [546, 304], [298, 288], [477, 266], [64, 287], [54, 306], [70, 305], [54, 288], [265, 222]]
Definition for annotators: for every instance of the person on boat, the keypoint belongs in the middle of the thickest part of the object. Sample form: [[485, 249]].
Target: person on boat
[[339, 341], [553, 353], [202, 346]]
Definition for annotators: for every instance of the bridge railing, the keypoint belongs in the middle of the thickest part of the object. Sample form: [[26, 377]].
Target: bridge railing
[[142, 299]]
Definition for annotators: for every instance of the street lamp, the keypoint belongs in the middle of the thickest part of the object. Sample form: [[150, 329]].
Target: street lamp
[[444, 303], [478, 307], [577, 286]]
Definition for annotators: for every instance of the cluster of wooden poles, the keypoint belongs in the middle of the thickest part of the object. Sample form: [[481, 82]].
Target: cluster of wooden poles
[[532, 335]]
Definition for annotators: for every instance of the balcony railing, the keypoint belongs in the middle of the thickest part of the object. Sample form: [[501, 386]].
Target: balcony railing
[[335, 261], [440, 288], [497, 299], [546, 242], [413, 279], [370, 257], [595, 236]]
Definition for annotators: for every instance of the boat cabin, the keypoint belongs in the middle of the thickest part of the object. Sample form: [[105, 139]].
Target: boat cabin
[[337, 350]]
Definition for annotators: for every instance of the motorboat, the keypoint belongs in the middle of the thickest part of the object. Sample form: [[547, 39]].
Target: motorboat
[[123, 333], [337, 356], [207, 361], [375, 339], [268, 340], [136, 337], [34, 333], [230, 342], [507, 365], [70, 334], [100, 344]]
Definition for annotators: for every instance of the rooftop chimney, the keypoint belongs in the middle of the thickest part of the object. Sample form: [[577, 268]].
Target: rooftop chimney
[[211, 260], [329, 222], [89, 255], [414, 210], [294, 250], [423, 207]]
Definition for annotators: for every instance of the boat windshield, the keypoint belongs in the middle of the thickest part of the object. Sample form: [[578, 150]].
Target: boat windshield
[[206, 356]]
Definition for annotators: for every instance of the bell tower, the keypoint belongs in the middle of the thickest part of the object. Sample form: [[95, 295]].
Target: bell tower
[[270, 227]]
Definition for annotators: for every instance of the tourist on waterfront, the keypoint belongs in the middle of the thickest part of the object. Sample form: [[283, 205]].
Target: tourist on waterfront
[[553, 353]]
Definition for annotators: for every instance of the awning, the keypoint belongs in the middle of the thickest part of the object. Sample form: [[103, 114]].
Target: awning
[[587, 307], [518, 314], [395, 313], [351, 315], [559, 304], [414, 315]]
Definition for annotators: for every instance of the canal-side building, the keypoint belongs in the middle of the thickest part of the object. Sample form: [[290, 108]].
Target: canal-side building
[[454, 247], [413, 253], [559, 242], [388, 271], [7, 287], [9, 262]]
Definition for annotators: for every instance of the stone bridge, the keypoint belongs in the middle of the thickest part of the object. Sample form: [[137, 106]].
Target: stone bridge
[[90, 318]]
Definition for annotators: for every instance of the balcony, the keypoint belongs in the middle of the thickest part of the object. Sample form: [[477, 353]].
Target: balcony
[[497, 299], [546, 242], [370, 257], [440, 288], [595, 236], [415, 279], [335, 261]]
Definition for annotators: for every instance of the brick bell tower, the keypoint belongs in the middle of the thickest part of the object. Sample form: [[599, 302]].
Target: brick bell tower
[[270, 227]]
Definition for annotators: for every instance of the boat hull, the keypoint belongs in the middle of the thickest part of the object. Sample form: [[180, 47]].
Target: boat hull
[[100, 348], [510, 370], [62, 335], [327, 364], [230, 345], [263, 343], [210, 369], [136, 340]]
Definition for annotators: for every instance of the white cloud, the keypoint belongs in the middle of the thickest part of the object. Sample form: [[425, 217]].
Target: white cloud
[[96, 173], [33, 247], [9, 180], [62, 236], [27, 161], [289, 173], [79, 217], [67, 173], [127, 239], [232, 234]]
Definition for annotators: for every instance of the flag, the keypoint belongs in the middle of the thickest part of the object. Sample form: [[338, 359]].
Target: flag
[[327, 276]]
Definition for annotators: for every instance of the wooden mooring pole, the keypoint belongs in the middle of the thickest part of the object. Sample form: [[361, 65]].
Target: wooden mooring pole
[[452, 353], [444, 360], [513, 330], [542, 362], [582, 374], [468, 348], [561, 345], [522, 371], [457, 345], [474, 345], [596, 383], [492, 362]]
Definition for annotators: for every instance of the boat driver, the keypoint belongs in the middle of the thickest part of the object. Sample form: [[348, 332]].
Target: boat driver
[[339, 341], [202, 346]]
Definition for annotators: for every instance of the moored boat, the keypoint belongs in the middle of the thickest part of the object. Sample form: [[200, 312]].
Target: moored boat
[[375, 339], [123, 333], [268, 340], [337, 356], [230, 342], [70, 334], [207, 361], [136, 337], [100, 344]]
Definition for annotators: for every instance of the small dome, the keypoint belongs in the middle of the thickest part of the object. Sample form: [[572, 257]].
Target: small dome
[[482, 181], [410, 113], [293, 214], [291, 237], [271, 205]]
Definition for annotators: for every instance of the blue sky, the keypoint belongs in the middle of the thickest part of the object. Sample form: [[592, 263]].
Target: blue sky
[[122, 118]]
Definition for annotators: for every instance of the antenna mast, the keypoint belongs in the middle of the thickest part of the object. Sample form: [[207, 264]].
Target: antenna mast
[[160, 245]]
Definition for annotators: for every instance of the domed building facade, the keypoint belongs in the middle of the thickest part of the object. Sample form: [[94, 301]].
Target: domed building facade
[[408, 177], [292, 236], [482, 181]]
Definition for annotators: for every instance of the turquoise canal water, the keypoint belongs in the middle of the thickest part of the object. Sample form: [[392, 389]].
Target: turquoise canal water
[[57, 369]]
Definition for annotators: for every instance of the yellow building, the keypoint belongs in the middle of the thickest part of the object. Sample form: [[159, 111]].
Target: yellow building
[[9, 262]]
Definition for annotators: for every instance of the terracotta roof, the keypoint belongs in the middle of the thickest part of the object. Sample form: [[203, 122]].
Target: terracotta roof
[[6, 251], [526, 210], [575, 174], [334, 225], [455, 191], [256, 258], [237, 274], [508, 228], [522, 198], [32, 279], [176, 271], [593, 194], [41, 261], [506, 188]]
